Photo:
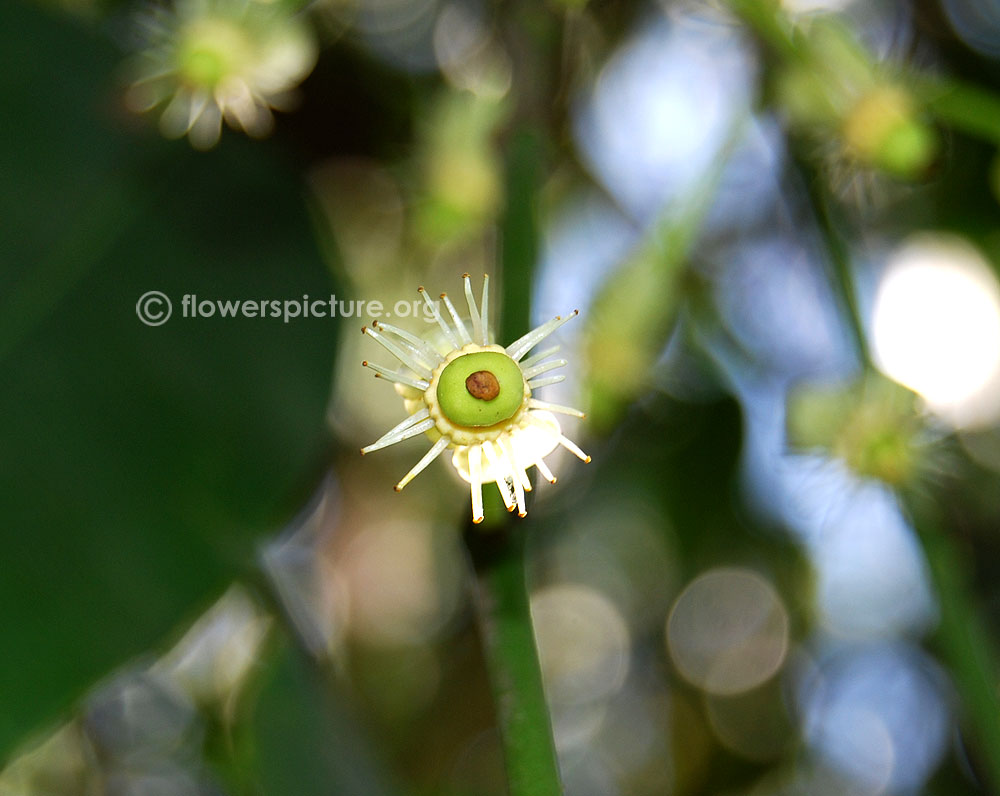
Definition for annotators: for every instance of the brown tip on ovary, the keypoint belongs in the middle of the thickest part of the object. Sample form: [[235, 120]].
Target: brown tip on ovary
[[482, 385]]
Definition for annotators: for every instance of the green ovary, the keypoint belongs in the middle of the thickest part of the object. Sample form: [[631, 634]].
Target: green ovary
[[462, 408]]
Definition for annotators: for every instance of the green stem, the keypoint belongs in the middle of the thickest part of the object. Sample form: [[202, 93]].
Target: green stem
[[842, 276], [771, 25], [519, 231], [497, 549], [963, 106], [504, 616], [963, 639]]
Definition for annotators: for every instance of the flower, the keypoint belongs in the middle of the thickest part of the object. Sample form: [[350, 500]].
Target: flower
[[209, 60], [475, 397]]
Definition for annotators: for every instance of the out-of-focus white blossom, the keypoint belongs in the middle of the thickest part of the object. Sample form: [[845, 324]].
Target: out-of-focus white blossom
[[209, 60]]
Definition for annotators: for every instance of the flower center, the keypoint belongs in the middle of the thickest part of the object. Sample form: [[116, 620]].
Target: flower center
[[480, 389]]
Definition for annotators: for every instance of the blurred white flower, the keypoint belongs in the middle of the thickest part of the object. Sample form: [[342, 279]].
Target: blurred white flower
[[209, 60], [475, 397]]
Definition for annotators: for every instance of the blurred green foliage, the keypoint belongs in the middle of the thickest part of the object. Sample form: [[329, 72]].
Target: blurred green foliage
[[139, 463], [145, 468]]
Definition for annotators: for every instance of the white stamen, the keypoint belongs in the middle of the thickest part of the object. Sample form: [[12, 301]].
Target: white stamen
[[543, 382], [485, 308], [430, 456], [537, 370], [522, 510], [534, 403], [414, 365], [518, 470], [523, 345], [448, 333], [413, 352], [392, 375], [477, 321], [544, 470], [459, 326], [476, 479], [572, 448], [422, 346], [534, 358], [503, 480], [404, 430]]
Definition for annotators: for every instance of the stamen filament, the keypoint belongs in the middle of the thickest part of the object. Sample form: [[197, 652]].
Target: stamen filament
[[535, 358], [477, 321], [543, 382], [422, 346], [524, 344], [485, 307], [503, 481], [399, 378], [522, 475], [573, 448], [402, 431], [463, 333], [476, 479], [522, 511], [437, 316], [417, 367], [537, 370], [534, 403], [428, 457], [544, 470]]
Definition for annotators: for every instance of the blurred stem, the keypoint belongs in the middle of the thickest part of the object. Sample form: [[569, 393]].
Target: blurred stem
[[768, 21], [504, 615], [963, 639], [842, 273], [519, 231], [965, 107], [962, 636]]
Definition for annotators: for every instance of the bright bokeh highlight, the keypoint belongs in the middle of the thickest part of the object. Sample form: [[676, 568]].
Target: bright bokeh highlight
[[936, 327]]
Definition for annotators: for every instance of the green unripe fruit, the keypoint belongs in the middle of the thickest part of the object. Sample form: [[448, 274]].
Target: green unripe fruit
[[480, 389]]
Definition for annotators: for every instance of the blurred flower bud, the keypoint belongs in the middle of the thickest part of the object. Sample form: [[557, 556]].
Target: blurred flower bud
[[872, 425], [461, 170], [882, 130], [836, 90], [209, 60]]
